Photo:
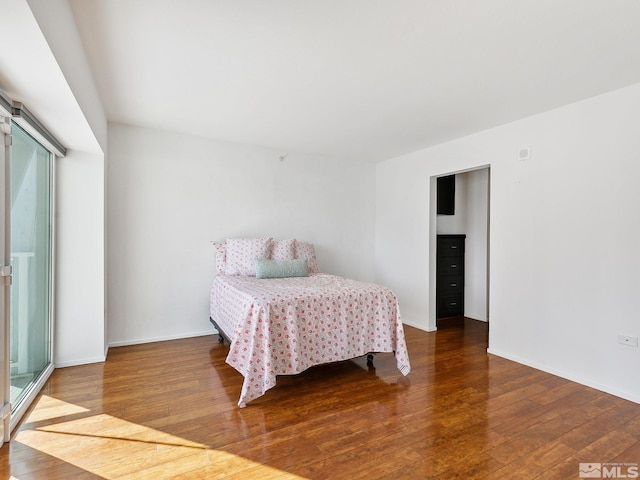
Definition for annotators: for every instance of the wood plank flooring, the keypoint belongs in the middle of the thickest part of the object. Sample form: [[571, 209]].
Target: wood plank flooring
[[168, 410]]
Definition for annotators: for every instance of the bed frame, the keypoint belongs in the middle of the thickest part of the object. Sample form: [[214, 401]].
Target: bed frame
[[221, 335]]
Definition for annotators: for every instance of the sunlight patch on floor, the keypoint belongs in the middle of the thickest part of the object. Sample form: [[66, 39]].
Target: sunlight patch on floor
[[114, 448], [48, 408]]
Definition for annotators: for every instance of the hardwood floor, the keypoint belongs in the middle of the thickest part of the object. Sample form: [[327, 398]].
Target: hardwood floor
[[168, 410]]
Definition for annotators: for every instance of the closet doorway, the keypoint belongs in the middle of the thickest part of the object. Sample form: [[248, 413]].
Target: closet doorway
[[466, 227]]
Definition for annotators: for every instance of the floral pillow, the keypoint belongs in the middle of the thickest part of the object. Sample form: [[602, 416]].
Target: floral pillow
[[283, 250], [243, 252], [308, 252], [221, 255]]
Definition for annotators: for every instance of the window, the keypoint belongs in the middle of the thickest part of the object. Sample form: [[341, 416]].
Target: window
[[31, 256], [26, 258]]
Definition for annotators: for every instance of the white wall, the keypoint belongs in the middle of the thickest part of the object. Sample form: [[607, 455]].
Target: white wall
[[169, 195], [57, 23], [80, 277], [477, 229], [564, 230], [45, 69], [80, 325]]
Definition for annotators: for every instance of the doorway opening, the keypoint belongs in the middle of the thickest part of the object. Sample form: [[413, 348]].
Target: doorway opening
[[459, 257]]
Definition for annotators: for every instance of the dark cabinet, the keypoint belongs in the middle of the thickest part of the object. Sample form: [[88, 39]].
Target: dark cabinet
[[446, 195], [450, 276]]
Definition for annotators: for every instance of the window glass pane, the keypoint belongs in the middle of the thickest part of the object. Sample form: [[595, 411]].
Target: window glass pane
[[31, 262]]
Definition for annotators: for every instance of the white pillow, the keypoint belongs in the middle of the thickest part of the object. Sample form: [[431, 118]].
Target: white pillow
[[242, 254]]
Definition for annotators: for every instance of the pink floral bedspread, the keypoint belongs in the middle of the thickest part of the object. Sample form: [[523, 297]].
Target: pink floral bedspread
[[284, 326]]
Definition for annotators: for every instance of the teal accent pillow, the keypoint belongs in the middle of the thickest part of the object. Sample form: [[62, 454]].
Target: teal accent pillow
[[281, 268]]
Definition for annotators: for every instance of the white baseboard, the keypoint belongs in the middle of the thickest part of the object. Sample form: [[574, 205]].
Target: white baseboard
[[424, 328], [140, 341], [84, 361], [559, 373]]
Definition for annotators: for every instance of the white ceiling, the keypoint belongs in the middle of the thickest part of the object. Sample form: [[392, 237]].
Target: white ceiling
[[362, 79]]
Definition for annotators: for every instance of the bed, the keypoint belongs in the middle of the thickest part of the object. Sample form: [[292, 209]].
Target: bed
[[284, 325]]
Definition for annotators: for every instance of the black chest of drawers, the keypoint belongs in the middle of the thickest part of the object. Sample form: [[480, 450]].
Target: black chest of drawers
[[450, 276]]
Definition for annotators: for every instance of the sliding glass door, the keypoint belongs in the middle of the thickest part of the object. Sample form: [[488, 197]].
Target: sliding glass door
[[31, 262]]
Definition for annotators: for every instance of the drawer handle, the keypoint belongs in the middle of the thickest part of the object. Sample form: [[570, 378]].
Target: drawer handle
[[454, 246], [453, 304], [454, 265], [454, 284]]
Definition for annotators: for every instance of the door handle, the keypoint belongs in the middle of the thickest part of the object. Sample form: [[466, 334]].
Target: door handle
[[5, 272]]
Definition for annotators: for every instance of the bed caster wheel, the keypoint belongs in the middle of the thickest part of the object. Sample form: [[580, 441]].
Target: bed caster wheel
[[370, 360], [220, 339]]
